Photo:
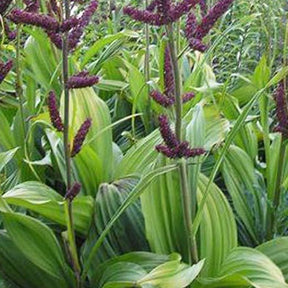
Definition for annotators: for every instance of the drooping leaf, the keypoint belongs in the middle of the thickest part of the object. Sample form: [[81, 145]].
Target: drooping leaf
[[44, 200], [38, 243]]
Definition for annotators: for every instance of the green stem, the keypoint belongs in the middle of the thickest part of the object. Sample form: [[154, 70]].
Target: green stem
[[185, 188], [68, 204], [175, 67], [147, 74], [272, 220], [19, 91]]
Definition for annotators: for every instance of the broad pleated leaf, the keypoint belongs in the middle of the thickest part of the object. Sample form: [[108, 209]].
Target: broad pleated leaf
[[128, 233], [277, 251], [241, 181], [16, 268], [44, 200], [246, 267], [37, 242], [85, 103]]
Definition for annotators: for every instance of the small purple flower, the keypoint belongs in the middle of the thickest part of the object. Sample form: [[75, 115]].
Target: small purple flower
[[281, 107], [168, 152], [69, 24], [203, 6], [169, 81], [144, 16], [40, 20], [197, 45], [5, 69], [166, 12], [187, 97], [32, 6], [73, 191], [80, 137], [53, 8], [167, 134], [173, 148], [4, 5], [76, 33], [211, 17], [162, 99], [181, 9], [152, 6], [82, 80], [11, 35], [163, 7], [190, 26], [54, 112], [55, 38]]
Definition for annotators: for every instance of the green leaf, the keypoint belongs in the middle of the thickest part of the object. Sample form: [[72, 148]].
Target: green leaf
[[134, 194], [146, 260], [247, 267], [85, 103], [163, 212], [37, 242], [129, 227], [172, 274], [20, 271], [277, 251], [242, 184], [43, 200], [101, 43], [6, 157]]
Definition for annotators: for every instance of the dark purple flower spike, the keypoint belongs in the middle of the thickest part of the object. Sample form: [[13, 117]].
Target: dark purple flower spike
[[80, 137], [51, 23], [281, 108], [4, 5], [54, 112], [162, 99], [82, 80], [166, 12], [187, 97], [73, 191], [169, 81], [5, 69], [172, 148], [211, 17], [40, 20]]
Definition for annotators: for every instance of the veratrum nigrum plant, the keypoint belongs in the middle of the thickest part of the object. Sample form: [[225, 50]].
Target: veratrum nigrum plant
[[76, 210]]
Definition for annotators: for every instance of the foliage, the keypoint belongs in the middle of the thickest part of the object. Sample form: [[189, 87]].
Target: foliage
[[127, 226]]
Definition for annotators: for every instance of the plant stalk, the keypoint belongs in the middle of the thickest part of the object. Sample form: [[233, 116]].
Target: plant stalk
[[271, 225], [19, 90], [68, 204], [185, 189]]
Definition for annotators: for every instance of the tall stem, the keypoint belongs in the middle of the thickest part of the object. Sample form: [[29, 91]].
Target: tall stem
[[271, 229], [147, 73], [19, 90], [68, 204], [185, 188]]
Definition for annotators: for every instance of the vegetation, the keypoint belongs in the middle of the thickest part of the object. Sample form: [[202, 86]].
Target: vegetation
[[143, 144]]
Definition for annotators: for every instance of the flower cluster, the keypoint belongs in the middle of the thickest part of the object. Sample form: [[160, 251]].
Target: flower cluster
[[73, 191], [167, 99], [161, 12], [54, 112], [80, 137], [82, 80], [5, 69], [172, 147], [52, 23], [281, 109], [4, 5], [57, 123], [196, 32]]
